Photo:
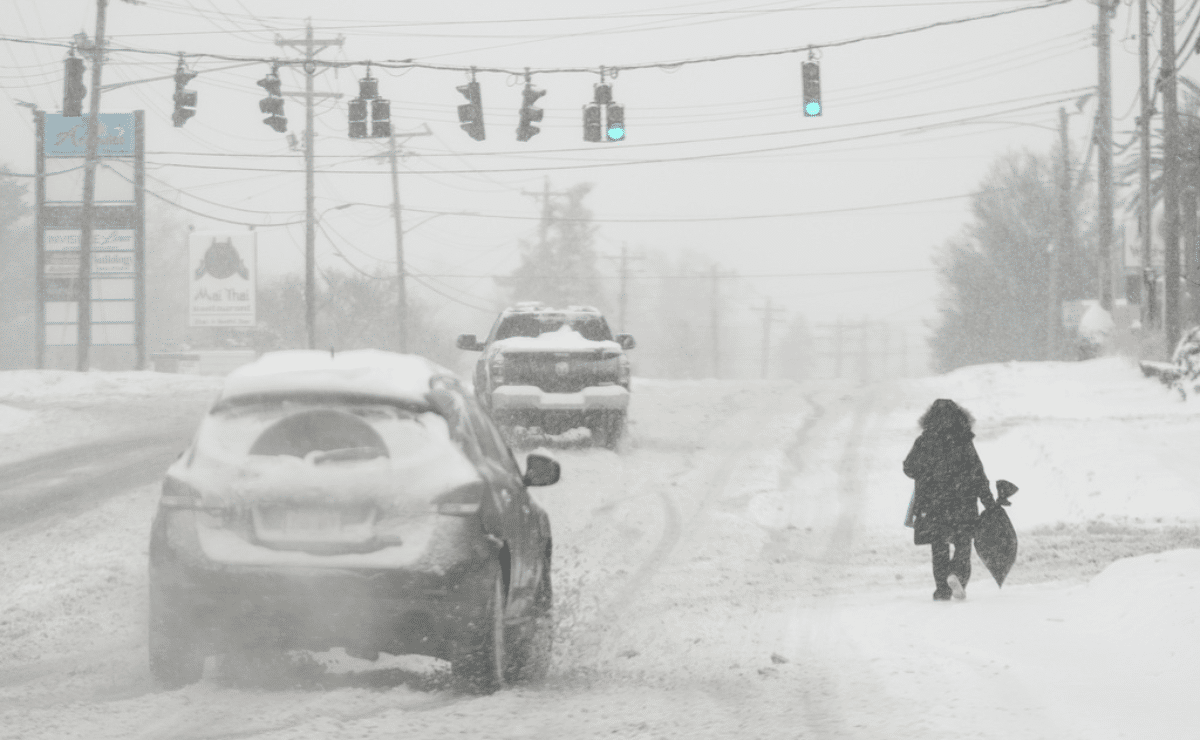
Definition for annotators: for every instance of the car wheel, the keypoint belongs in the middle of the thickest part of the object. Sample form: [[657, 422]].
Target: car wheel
[[176, 658], [531, 660], [479, 664]]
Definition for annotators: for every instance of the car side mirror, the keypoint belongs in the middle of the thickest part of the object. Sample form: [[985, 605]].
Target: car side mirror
[[469, 342], [541, 470], [626, 341]]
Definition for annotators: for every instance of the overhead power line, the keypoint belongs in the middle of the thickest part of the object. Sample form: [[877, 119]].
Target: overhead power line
[[623, 163], [612, 70]]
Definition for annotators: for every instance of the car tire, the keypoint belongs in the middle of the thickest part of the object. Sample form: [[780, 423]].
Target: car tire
[[176, 657], [479, 662], [531, 659]]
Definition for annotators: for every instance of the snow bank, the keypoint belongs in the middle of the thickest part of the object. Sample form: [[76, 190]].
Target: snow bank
[[50, 385], [1117, 657], [13, 419], [1085, 441]]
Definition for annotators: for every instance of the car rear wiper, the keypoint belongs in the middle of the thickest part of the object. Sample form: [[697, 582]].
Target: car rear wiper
[[318, 457]]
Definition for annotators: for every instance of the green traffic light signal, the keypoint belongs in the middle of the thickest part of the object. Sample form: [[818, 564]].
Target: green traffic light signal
[[810, 73]]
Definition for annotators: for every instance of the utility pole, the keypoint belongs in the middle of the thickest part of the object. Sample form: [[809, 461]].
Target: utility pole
[[401, 274], [769, 316], [83, 342], [545, 198], [1065, 228], [714, 320], [864, 367], [1147, 310], [838, 344], [1104, 152], [1170, 179], [715, 276], [310, 47], [623, 273]]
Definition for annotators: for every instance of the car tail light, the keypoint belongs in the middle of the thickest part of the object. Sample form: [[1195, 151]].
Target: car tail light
[[497, 368], [462, 501], [178, 495], [623, 371]]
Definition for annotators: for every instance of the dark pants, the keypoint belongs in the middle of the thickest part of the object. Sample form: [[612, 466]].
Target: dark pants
[[959, 564]]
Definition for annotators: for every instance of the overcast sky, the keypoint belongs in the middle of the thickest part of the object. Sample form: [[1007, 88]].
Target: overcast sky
[[711, 147]]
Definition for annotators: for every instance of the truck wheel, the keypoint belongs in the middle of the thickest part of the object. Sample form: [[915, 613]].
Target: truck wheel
[[176, 657], [607, 429], [531, 659], [479, 663]]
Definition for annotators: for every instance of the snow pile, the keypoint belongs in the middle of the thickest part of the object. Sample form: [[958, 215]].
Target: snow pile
[[1186, 359], [14, 419], [1085, 441], [55, 385]]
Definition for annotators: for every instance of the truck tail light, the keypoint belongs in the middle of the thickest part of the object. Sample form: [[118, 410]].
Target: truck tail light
[[497, 369]]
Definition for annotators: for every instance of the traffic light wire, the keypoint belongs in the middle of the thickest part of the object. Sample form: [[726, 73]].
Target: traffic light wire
[[612, 69]]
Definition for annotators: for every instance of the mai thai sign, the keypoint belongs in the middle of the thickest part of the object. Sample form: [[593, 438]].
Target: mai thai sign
[[222, 278]]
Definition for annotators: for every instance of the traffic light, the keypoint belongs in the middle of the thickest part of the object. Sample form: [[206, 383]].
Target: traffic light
[[381, 118], [530, 114], [470, 114], [380, 110], [601, 93], [616, 122], [185, 100], [272, 105], [368, 87], [358, 119], [811, 74], [73, 89], [591, 122]]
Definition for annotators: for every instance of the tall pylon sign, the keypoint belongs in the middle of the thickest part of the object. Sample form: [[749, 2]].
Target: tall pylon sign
[[117, 274]]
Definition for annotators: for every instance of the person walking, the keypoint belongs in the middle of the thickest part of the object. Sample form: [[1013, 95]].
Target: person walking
[[949, 481]]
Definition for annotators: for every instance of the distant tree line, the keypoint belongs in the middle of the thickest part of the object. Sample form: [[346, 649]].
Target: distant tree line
[[995, 304]]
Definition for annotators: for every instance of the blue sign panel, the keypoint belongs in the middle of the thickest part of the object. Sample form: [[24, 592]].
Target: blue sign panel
[[67, 137]]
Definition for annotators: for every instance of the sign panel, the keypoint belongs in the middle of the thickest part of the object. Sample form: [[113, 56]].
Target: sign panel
[[103, 240], [222, 278], [108, 263], [64, 181], [67, 137], [62, 263]]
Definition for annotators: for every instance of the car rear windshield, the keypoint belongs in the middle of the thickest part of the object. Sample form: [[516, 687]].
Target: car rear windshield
[[594, 328], [322, 429]]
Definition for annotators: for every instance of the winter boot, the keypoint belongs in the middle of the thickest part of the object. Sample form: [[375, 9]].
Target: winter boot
[[956, 587]]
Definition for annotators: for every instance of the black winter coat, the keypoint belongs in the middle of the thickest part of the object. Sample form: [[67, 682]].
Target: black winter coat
[[949, 480]]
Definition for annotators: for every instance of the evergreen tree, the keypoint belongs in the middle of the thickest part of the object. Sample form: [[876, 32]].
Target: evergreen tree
[[17, 288], [560, 269], [995, 274]]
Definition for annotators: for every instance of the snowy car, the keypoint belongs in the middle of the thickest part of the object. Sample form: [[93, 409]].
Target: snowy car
[[359, 500], [555, 370]]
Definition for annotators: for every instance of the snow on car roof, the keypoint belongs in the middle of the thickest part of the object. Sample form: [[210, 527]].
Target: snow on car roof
[[363, 372]]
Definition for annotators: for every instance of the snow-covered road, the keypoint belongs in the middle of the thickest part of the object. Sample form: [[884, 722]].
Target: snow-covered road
[[738, 570]]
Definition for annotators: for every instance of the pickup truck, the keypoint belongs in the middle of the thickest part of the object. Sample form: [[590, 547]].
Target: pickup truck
[[554, 370]]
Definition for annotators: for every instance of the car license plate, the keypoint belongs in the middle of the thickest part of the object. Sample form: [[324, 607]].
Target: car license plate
[[316, 521]]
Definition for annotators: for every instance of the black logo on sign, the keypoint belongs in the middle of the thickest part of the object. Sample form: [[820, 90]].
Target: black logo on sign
[[222, 261]]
